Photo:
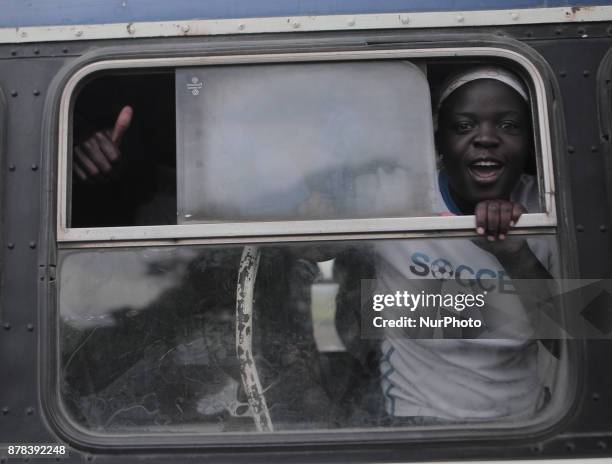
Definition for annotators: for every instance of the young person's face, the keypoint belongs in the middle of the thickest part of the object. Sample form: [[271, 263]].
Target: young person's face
[[484, 136]]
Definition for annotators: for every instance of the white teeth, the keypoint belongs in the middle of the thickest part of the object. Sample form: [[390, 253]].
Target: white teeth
[[486, 164]]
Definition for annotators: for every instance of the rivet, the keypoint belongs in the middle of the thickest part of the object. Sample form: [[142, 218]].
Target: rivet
[[405, 19], [14, 93], [558, 31], [536, 448], [601, 445], [36, 51], [586, 73], [64, 50], [24, 34], [34, 167], [580, 228], [10, 245], [603, 228], [185, 28], [570, 149], [460, 18], [570, 446], [514, 16], [32, 245], [29, 411], [12, 167], [131, 29], [241, 27], [595, 396], [351, 22], [5, 410], [13, 52], [610, 30], [78, 33], [529, 34], [30, 327], [7, 326], [562, 73], [36, 93], [90, 457], [593, 148], [295, 25], [581, 30]]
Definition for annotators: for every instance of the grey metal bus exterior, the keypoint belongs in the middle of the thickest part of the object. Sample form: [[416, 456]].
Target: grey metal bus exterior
[[225, 333]]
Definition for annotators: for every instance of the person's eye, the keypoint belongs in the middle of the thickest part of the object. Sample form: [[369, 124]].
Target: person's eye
[[510, 126], [463, 126]]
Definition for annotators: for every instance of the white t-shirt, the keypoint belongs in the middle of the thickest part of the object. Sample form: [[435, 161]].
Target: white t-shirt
[[461, 379]]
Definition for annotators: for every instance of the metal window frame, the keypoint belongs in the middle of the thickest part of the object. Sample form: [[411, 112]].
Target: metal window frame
[[604, 109], [286, 231], [544, 424]]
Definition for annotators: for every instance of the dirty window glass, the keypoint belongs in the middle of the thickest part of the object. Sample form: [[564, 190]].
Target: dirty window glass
[[304, 141], [148, 339]]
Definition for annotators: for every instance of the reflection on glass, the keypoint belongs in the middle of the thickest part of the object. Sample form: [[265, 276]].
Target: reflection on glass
[[148, 340], [304, 141]]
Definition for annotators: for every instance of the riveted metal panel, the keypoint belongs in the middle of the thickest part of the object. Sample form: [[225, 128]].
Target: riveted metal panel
[[29, 227]]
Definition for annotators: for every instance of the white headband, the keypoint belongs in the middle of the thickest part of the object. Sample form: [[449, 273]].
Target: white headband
[[482, 72]]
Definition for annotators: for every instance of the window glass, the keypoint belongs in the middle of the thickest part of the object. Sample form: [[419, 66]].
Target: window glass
[[257, 142], [148, 339], [310, 336]]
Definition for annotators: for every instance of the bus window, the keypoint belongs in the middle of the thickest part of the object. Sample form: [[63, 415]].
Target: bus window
[[223, 145], [168, 337], [148, 340]]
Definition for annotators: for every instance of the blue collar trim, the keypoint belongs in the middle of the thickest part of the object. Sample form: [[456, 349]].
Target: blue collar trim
[[445, 192]]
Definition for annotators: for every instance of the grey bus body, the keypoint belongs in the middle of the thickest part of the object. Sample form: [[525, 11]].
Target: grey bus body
[[575, 60]]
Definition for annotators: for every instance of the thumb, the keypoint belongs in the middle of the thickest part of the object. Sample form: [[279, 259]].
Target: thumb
[[124, 119]]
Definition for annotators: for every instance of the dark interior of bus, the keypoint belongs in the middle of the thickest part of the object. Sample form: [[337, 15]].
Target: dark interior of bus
[[148, 148]]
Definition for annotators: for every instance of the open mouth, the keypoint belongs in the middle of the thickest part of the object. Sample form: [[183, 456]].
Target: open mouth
[[485, 171]]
